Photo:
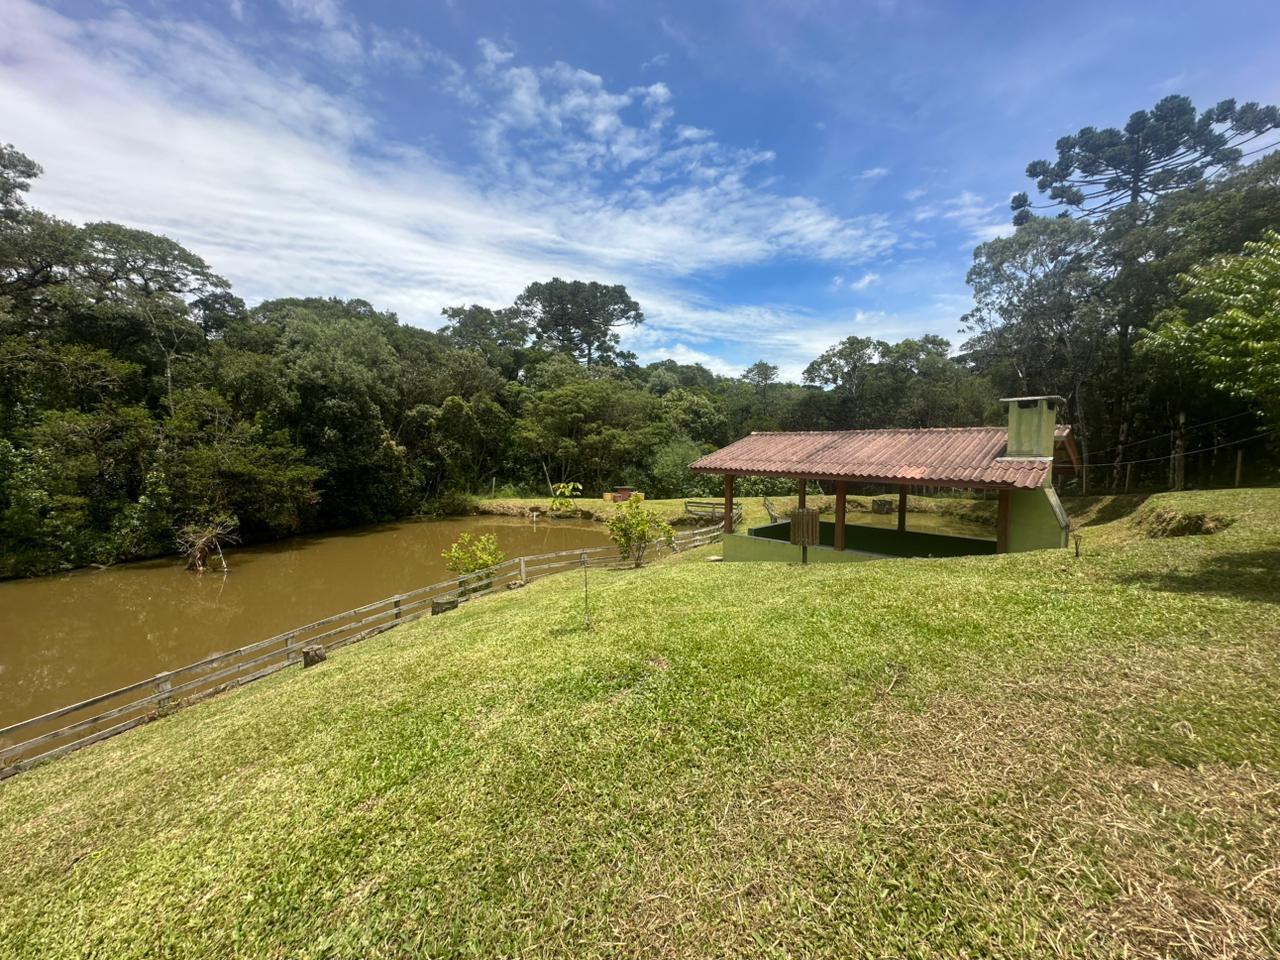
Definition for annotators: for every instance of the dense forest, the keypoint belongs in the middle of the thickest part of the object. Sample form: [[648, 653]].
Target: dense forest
[[139, 397]]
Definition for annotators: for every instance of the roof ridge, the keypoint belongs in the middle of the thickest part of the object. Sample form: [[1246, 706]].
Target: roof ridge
[[812, 433]]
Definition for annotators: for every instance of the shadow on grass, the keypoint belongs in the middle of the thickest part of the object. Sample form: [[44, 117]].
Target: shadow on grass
[[1105, 509], [1248, 575]]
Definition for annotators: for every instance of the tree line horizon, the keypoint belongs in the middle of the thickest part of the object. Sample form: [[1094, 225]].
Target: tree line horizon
[[139, 395]]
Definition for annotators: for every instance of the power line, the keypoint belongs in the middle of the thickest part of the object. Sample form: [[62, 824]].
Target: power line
[[1185, 453], [1165, 436]]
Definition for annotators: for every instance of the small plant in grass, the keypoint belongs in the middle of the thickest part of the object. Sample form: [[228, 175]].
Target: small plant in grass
[[562, 497], [469, 555], [636, 529]]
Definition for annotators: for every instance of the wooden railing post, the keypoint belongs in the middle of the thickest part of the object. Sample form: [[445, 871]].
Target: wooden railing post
[[397, 605], [841, 494], [728, 503], [1002, 522], [523, 575], [164, 683]]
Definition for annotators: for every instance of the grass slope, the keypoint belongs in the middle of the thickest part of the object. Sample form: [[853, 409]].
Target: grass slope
[[1019, 756]]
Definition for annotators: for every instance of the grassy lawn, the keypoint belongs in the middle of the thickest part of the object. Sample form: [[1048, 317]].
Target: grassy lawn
[[1019, 756]]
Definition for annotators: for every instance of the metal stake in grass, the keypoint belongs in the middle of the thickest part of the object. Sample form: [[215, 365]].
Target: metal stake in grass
[[586, 599]]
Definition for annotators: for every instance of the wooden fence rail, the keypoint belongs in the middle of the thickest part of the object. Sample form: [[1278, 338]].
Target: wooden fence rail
[[24, 744]]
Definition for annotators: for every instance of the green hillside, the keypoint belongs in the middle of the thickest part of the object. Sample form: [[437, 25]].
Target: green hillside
[[1022, 756]]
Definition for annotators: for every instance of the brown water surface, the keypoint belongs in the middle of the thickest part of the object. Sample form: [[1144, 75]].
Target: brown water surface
[[69, 637]]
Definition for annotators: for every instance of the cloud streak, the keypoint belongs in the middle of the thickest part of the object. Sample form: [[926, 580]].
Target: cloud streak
[[288, 188]]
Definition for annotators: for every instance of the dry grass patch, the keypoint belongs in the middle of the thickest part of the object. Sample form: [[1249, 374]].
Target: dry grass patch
[[1164, 522], [1023, 819]]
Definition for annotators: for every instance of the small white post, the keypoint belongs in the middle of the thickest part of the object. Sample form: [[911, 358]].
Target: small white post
[[522, 573]]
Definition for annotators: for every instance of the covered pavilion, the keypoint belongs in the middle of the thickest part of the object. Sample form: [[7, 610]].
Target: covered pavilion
[[1015, 461]]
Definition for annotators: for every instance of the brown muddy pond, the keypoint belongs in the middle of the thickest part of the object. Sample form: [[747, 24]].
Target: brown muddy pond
[[68, 637]]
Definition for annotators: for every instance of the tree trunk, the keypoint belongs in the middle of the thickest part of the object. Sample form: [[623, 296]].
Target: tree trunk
[[1180, 455]]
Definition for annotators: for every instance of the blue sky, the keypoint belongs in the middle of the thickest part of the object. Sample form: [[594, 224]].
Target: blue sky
[[766, 178]]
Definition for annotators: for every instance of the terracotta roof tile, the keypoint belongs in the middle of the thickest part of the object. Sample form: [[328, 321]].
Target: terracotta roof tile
[[947, 455]]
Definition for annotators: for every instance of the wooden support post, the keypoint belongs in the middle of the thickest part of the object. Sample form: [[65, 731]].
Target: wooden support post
[[902, 509], [1002, 522], [397, 605], [800, 503], [840, 496], [1239, 465], [164, 683], [1128, 475], [1180, 454], [728, 503], [523, 576]]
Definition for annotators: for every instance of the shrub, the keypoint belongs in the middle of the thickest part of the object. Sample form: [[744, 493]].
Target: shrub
[[763, 487], [563, 494], [635, 529], [468, 555], [670, 471], [450, 503]]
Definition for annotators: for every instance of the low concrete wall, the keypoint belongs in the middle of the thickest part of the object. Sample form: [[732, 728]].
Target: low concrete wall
[[884, 541], [745, 547]]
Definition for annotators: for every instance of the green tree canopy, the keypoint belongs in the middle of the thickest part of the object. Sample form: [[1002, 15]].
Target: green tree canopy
[[1159, 150], [760, 374], [1229, 325], [579, 318]]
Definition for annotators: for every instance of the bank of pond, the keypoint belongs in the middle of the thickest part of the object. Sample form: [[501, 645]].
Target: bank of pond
[[71, 636], [76, 635]]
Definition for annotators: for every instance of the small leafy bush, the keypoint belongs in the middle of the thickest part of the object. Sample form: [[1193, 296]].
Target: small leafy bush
[[469, 554], [562, 501], [635, 529]]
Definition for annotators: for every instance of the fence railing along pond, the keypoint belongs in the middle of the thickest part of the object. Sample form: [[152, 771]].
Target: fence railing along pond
[[24, 744]]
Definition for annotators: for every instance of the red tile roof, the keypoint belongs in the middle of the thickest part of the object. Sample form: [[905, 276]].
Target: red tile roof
[[951, 456]]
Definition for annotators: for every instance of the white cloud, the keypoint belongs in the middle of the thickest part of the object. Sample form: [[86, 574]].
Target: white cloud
[[406, 50], [979, 219], [656, 61], [327, 13], [288, 189], [683, 353], [839, 282], [914, 194], [874, 173], [693, 134]]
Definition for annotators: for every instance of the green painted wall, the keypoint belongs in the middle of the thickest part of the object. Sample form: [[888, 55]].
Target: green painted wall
[[1036, 520]]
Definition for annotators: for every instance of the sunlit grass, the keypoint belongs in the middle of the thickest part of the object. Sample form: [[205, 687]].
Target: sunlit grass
[[1021, 756]]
